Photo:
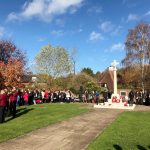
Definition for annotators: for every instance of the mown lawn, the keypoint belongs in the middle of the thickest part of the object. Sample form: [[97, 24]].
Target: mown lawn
[[37, 116], [131, 131]]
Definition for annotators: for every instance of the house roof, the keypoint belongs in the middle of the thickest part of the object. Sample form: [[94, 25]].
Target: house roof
[[108, 78], [26, 78]]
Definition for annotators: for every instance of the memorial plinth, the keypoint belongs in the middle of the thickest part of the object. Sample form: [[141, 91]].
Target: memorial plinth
[[116, 101]]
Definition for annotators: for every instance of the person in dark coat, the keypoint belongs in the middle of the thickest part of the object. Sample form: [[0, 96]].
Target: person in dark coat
[[55, 97], [147, 98], [97, 94], [31, 96], [12, 102], [3, 104], [131, 97]]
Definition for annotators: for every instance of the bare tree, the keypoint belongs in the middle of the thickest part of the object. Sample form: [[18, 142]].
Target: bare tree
[[73, 59], [137, 48]]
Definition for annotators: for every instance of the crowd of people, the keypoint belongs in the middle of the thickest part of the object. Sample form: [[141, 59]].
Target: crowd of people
[[10, 99], [95, 96], [134, 97], [139, 97]]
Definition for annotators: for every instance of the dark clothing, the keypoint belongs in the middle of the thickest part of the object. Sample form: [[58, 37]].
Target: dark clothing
[[97, 97], [12, 108], [12, 103], [2, 114], [30, 98], [63, 97], [105, 94], [55, 97], [147, 99], [39, 95], [131, 97], [3, 104]]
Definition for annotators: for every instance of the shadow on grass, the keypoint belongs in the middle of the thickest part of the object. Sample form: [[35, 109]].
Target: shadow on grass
[[117, 147], [25, 110], [142, 148], [20, 109], [20, 112]]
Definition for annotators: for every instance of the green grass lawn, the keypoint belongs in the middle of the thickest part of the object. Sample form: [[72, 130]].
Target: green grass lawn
[[37, 116], [131, 131]]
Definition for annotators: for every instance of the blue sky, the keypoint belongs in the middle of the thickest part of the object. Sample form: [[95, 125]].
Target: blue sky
[[96, 28]]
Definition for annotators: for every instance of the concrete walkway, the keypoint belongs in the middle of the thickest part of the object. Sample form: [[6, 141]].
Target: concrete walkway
[[73, 134]]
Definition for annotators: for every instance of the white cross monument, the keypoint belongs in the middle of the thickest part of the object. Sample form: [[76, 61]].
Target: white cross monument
[[116, 101], [114, 64]]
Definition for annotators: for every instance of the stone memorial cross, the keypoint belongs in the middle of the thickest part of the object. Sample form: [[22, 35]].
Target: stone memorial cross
[[114, 64]]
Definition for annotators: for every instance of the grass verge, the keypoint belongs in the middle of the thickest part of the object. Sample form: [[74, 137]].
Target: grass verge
[[37, 116], [130, 131]]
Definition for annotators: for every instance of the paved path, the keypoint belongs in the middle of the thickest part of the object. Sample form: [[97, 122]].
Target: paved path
[[73, 134], [142, 108]]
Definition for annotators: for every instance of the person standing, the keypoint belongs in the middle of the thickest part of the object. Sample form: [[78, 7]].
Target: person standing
[[105, 94], [68, 96], [147, 98], [18, 98], [35, 94], [12, 102], [30, 97], [26, 97], [86, 96], [131, 97], [42, 96], [46, 97], [97, 94], [3, 104]]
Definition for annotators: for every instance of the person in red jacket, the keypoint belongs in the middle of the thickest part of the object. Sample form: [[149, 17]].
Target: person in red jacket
[[26, 97], [3, 104], [12, 102], [46, 97]]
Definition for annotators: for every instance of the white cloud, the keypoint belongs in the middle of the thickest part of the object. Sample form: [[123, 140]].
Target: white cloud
[[2, 31], [57, 33], [117, 47], [129, 3], [60, 22], [45, 9], [74, 9], [106, 26], [95, 9], [12, 17], [132, 17], [117, 30], [95, 36], [74, 31], [147, 14]]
